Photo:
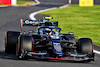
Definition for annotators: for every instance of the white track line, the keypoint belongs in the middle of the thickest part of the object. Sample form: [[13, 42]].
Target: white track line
[[35, 13], [32, 16], [95, 51], [37, 3], [64, 6]]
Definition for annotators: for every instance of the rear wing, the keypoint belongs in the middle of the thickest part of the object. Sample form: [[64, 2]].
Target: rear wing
[[38, 23], [30, 22]]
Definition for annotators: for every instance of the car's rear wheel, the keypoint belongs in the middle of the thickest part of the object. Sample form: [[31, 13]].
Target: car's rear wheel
[[10, 41], [24, 46]]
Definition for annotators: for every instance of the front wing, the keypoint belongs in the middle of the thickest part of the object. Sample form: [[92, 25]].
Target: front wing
[[45, 55]]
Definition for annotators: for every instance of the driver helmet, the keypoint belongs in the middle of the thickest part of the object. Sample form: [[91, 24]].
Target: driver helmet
[[47, 30]]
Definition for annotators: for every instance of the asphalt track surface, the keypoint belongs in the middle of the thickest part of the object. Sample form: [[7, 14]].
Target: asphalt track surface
[[10, 21]]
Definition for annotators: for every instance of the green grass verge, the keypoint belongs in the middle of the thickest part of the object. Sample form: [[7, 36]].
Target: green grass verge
[[23, 2], [83, 21]]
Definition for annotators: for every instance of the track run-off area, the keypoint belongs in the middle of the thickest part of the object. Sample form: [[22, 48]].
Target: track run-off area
[[10, 21]]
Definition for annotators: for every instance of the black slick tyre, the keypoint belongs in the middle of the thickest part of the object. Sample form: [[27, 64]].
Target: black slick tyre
[[85, 45], [11, 40], [24, 46]]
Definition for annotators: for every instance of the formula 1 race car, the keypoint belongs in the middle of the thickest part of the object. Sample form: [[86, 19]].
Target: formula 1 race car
[[48, 43]]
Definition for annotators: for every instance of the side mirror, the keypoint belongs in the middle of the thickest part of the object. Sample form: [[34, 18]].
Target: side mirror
[[71, 33]]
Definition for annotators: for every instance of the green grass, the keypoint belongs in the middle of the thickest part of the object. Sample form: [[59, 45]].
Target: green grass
[[23, 2], [83, 21]]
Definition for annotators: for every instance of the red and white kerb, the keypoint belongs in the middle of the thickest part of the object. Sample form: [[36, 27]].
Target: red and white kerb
[[8, 2]]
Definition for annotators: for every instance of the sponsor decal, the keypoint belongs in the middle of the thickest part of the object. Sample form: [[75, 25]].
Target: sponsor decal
[[86, 3], [57, 46], [29, 22], [33, 22]]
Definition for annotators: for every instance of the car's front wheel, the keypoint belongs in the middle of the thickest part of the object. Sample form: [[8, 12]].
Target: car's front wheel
[[85, 45]]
